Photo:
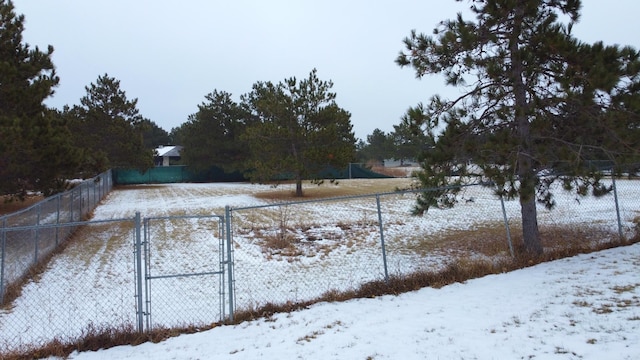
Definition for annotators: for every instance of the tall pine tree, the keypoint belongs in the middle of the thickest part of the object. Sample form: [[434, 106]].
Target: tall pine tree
[[211, 136], [109, 128], [535, 100], [300, 130], [153, 135], [379, 147], [35, 153]]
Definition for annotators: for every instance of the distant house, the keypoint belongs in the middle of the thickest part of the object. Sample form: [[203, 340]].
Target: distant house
[[165, 155], [396, 163]]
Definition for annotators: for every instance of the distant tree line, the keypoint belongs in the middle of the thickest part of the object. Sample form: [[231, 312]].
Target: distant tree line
[[402, 144], [42, 148], [288, 130], [291, 130]]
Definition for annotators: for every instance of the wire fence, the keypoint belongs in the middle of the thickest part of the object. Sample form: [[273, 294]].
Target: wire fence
[[21, 250], [294, 252], [184, 268], [88, 288], [165, 272]]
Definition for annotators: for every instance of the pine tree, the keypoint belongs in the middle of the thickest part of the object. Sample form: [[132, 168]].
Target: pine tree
[[109, 128], [407, 143], [300, 130], [153, 135], [35, 153], [211, 137], [379, 146], [535, 99]]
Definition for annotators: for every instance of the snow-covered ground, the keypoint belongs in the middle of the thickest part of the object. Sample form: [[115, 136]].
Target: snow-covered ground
[[337, 246], [586, 307]]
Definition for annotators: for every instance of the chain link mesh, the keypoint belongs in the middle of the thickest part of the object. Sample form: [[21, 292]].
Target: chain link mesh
[[184, 271], [94, 289], [281, 253], [299, 251], [23, 249]]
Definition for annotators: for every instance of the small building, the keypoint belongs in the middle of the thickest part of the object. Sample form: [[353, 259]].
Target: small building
[[397, 163], [165, 155]]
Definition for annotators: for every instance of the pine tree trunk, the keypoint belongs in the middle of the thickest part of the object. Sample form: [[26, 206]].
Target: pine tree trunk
[[299, 187], [525, 169], [530, 232]]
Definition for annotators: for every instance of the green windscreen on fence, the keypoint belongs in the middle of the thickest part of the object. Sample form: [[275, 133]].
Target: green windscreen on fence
[[166, 174], [182, 174], [353, 171], [356, 171], [173, 174]]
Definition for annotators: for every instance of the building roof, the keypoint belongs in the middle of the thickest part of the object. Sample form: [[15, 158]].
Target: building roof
[[173, 150]]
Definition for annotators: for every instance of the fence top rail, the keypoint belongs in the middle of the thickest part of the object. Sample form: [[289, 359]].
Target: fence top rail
[[169, 217], [33, 206], [351, 197], [51, 198], [69, 224]]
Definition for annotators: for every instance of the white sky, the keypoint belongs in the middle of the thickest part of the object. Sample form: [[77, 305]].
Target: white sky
[[170, 54]]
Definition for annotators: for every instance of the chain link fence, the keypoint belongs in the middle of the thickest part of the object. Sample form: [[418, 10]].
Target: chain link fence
[[87, 288], [298, 251], [194, 270], [21, 250], [129, 274], [184, 268]]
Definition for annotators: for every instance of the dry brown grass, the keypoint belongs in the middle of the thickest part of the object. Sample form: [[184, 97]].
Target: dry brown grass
[[350, 187], [9, 205], [490, 240], [282, 243], [95, 338], [291, 243]]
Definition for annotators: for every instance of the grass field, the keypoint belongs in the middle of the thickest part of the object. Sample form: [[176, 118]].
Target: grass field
[[282, 254]]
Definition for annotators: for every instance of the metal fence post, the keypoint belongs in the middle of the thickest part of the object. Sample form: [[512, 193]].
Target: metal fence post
[[615, 197], [59, 199], [73, 199], [147, 283], [222, 235], [138, 252], [227, 219], [506, 226], [384, 251], [37, 239], [3, 239], [80, 202]]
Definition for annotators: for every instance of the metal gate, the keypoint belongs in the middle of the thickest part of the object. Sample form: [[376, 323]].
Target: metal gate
[[184, 271]]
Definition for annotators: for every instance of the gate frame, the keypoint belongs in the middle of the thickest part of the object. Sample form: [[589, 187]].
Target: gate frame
[[143, 256]]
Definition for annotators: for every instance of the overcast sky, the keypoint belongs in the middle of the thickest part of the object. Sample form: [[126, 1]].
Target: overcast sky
[[170, 54]]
